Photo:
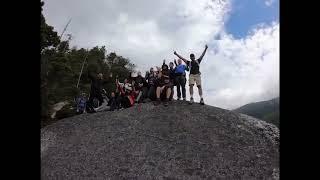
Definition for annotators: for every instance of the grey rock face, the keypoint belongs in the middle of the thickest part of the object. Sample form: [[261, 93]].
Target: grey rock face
[[180, 141]]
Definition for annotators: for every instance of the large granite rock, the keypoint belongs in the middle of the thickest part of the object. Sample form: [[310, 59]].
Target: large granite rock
[[180, 141]]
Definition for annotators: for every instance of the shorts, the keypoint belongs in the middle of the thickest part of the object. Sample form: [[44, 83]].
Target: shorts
[[164, 90], [195, 78]]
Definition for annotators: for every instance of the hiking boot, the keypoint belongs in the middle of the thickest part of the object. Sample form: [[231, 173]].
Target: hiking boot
[[166, 102], [191, 101], [157, 102], [201, 101], [147, 100]]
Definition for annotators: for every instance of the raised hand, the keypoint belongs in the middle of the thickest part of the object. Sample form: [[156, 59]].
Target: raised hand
[[206, 46], [175, 53]]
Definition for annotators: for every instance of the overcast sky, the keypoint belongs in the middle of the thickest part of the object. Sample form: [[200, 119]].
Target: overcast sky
[[242, 61]]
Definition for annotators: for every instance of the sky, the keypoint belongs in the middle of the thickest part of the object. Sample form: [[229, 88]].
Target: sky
[[242, 62]]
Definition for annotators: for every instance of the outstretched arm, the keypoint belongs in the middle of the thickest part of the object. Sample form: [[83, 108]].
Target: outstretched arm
[[175, 62], [175, 53], [187, 68], [203, 53]]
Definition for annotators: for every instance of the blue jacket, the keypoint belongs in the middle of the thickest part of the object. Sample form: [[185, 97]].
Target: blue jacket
[[180, 69]]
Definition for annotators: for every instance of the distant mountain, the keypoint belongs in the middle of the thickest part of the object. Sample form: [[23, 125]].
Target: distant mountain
[[264, 110]]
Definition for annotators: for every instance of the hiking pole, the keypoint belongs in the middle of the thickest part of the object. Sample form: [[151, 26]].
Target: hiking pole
[[60, 37], [82, 68], [65, 28]]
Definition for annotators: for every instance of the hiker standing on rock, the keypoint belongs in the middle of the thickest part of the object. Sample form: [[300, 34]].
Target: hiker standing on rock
[[97, 82], [172, 76], [180, 78], [195, 75]]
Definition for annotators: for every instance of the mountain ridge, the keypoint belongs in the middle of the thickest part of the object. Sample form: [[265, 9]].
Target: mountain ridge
[[265, 110]]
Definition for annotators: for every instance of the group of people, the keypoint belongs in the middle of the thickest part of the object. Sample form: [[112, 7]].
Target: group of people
[[157, 85]]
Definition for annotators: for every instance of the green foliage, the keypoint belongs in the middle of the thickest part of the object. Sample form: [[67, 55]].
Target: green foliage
[[265, 110], [273, 118], [48, 37], [61, 66]]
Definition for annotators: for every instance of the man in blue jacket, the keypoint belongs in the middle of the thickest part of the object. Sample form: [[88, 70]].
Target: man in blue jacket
[[180, 79], [195, 74]]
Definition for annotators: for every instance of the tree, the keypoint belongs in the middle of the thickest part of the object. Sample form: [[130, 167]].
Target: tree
[[61, 66], [48, 37]]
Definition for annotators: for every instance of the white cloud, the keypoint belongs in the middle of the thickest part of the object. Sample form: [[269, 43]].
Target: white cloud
[[244, 70], [269, 2], [235, 71]]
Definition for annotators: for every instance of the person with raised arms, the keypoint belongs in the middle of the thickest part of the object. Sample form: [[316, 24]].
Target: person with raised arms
[[195, 74]]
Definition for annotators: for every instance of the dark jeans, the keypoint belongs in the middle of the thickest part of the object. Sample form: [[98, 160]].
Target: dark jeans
[[152, 92], [181, 82], [114, 103], [144, 94], [95, 95], [172, 93]]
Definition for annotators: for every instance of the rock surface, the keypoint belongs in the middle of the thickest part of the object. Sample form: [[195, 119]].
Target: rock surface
[[180, 141], [58, 107]]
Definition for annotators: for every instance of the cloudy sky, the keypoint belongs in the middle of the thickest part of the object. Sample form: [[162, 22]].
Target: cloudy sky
[[242, 61]]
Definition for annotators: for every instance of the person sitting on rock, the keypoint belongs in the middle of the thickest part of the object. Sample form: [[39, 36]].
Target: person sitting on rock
[[126, 90], [141, 88], [163, 85], [151, 78], [114, 101], [81, 103]]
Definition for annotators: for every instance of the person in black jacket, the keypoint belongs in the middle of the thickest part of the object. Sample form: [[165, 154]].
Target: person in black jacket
[[151, 78], [97, 82], [195, 74], [163, 85], [172, 79], [141, 87], [115, 101]]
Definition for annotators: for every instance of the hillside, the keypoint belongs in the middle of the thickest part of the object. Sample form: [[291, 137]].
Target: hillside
[[264, 110], [157, 142]]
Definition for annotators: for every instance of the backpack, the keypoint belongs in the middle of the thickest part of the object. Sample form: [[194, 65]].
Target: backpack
[[81, 104]]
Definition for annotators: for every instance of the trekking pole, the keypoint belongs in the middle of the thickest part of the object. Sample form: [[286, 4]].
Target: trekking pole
[[82, 68], [65, 28]]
